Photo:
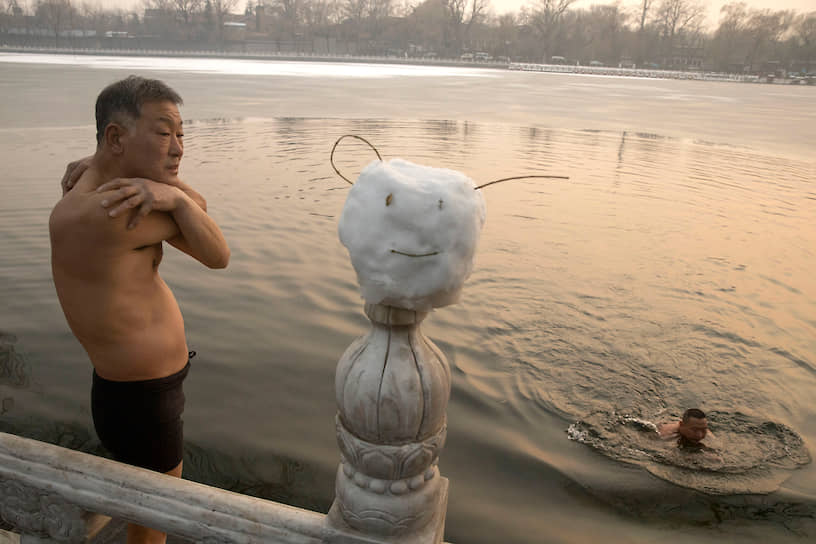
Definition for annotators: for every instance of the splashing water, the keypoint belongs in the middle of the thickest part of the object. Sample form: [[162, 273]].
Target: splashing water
[[747, 456]]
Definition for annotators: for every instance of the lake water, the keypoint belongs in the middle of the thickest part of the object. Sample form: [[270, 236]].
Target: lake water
[[673, 269]]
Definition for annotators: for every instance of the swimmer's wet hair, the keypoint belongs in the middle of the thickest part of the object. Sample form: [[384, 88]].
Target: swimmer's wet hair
[[122, 101], [695, 413]]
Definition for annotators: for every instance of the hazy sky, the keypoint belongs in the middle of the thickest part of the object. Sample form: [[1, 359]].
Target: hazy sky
[[501, 6]]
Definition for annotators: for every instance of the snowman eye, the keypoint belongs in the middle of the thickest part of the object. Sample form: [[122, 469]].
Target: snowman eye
[[388, 199]]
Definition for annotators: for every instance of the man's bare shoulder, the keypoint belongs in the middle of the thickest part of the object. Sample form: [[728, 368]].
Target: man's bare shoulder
[[80, 215], [668, 430], [76, 212]]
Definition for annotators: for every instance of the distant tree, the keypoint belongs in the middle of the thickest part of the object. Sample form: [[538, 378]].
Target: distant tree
[[381, 9], [12, 8], [355, 10], [805, 28], [187, 8], [319, 14], [679, 19], [288, 17], [643, 13], [805, 31], [750, 38], [678, 16], [546, 18], [646, 30], [289, 11], [765, 28], [602, 28], [56, 15], [379, 22], [477, 14], [220, 9], [161, 5], [209, 17], [429, 26], [507, 35], [162, 19], [461, 16], [727, 47]]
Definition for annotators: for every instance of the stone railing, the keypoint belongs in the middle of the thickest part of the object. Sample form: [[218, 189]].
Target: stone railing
[[392, 389], [50, 493]]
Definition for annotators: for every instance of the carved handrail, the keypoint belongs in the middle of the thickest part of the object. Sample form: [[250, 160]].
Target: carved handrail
[[47, 491]]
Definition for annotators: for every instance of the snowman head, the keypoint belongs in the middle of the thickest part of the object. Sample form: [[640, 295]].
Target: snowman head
[[411, 232]]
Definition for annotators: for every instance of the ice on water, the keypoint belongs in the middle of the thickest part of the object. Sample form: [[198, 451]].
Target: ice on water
[[411, 231]]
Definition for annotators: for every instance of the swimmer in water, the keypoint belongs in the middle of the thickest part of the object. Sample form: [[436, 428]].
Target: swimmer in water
[[689, 431]]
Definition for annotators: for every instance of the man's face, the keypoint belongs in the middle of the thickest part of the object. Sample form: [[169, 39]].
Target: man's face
[[693, 430], [154, 143]]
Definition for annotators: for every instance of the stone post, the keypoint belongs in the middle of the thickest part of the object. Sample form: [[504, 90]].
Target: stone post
[[392, 387]]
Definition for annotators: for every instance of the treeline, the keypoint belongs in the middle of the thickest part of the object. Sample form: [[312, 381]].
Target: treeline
[[643, 33]]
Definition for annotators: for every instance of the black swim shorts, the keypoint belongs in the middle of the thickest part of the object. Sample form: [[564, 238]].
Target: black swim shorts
[[139, 422]]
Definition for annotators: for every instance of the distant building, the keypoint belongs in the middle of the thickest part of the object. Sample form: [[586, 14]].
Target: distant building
[[235, 32], [159, 22], [685, 57]]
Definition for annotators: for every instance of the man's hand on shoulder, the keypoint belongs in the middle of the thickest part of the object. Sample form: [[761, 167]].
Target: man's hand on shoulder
[[73, 172], [143, 195]]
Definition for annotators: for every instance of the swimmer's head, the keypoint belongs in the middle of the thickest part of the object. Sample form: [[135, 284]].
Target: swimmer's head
[[693, 427]]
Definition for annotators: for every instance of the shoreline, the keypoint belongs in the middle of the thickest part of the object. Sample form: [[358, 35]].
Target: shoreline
[[454, 63], [290, 57]]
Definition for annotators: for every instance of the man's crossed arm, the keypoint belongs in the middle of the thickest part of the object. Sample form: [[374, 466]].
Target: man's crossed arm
[[198, 236]]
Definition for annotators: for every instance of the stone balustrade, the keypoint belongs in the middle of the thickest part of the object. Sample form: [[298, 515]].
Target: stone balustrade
[[53, 494], [392, 387]]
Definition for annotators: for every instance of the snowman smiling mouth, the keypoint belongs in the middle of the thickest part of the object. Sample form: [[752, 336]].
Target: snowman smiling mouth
[[415, 254]]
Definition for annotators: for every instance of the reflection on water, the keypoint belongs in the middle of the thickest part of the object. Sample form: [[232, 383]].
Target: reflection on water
[[746, 456], [665, 273], [13, 370]]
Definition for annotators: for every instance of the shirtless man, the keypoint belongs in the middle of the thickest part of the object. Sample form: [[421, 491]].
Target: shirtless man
[[689, 431], [106, 245]]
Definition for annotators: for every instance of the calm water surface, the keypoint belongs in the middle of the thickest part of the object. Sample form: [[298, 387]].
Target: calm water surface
[[674, 268]]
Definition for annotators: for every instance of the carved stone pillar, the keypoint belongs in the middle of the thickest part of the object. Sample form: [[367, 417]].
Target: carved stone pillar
[[392, 387]]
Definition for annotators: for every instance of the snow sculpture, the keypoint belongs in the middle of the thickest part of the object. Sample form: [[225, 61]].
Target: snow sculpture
[[411, 232]]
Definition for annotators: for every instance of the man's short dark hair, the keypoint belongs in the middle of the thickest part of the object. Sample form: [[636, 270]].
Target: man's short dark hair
[[122, 101], [695, 413]]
